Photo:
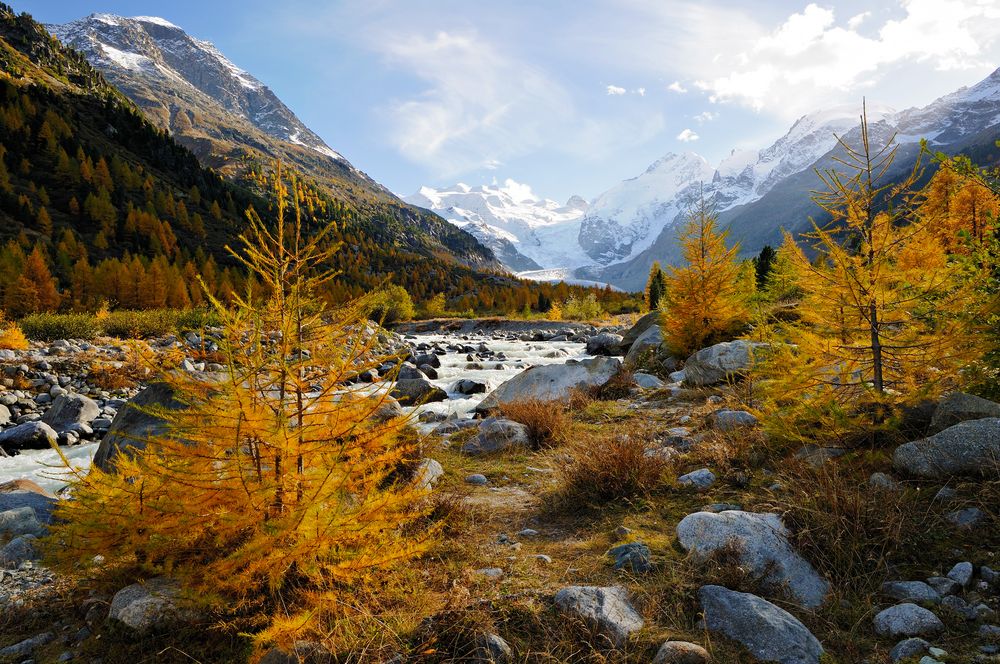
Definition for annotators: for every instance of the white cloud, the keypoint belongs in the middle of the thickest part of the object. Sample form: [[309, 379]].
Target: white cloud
[[687, 136], [614, 90], [677, 87], [641, 92], [706, 116], [810, 55], [855, 21]]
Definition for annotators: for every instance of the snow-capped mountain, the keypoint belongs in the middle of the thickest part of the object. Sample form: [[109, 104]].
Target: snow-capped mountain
[[525, 231], [629, 217], [757, 202], [159, 52]]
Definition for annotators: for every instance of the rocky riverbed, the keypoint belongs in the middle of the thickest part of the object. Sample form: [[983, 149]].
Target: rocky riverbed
[[718, 565]]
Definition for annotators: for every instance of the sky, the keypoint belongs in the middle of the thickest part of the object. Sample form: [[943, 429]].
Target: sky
[[572, 96]]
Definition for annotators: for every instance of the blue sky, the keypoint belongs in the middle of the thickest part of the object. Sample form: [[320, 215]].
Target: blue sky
[[572, 96]]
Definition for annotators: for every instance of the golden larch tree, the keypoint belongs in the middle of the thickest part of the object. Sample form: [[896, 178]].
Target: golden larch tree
[[704, 301], [278, 492]]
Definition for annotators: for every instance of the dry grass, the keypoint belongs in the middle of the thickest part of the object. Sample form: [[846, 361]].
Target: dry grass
[[11, 337], [547, 421], [609, 465], [618, 387], [849, 529]]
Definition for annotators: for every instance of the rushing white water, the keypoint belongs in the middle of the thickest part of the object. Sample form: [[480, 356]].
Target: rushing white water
[[519, 356], [46, 468]]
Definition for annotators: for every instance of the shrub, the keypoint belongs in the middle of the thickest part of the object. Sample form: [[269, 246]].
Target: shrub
[[389, 305], [618, 386], [49, 327], [547, 421], [11, 336], [585, 308], [610, 465]]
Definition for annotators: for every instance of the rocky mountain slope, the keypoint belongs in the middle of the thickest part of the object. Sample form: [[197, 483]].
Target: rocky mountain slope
[[225, 116]]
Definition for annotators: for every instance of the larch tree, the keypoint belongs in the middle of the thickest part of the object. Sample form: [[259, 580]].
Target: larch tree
[[704, 301], [656, 286], [35, 289], [885, 314], [280, 490]]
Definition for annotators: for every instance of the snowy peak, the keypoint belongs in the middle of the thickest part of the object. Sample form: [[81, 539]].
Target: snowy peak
[[525, 230], [148, 50]]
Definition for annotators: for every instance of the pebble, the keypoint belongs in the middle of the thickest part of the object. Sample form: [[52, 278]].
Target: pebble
[[477, 479]]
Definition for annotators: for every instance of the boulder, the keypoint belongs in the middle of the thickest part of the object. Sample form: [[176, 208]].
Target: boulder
[[721, 362], [146, 607], [467, 386], [643, 324], [959, 407], [39, 503], [730, 420], [910, 591], [18, 550], [388, 409], [28, 436], [24, 648], [762, 541], [427, 473], [700, 479], [606, 610], [492, 649], [645, 348], [409, 372], [497, 434], [634, 556], [605, 343], [134, 425], [552, 382], [961, 574], [907, 619], [770, 633], [23, 484], [415, 391], [967, 448], [907, 648], [647, 381], [681, 652], [4, 415], [69, 411]]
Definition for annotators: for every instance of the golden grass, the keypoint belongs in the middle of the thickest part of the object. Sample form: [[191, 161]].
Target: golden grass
[[547, 421]]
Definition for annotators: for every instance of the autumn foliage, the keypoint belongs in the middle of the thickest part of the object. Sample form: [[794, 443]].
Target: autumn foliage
[[888, 314], [279, 493], [704, 301]]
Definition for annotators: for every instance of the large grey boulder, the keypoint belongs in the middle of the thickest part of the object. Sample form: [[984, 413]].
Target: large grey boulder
[[21, 521], [497, 434], [645, 348], [605, 343], [69, 411], [415, 391], [770, 633], [910, 591], [907, 619], [960, 407], [146, 607], [762, 542], [134, 425], [643, 324], [967, 448], [552, 382], [28, 436], [40, 504], [607, 610], [427, 473], [18, 550], [721, 362]]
